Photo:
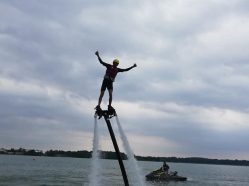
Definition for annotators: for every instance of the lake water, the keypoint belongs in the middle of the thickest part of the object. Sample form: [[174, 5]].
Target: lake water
[[58, 171]]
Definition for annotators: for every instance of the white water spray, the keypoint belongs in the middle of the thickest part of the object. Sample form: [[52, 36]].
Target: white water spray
[[134, 172], [94, 177]]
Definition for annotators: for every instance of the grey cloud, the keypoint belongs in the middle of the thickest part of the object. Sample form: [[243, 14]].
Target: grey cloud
[[184, 54]]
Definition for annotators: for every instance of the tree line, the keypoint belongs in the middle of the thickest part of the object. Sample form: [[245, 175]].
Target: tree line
[[112, 155], [61, 153]]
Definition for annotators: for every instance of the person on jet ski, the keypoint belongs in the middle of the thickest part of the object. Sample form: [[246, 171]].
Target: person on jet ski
[[111, 72], [165, 167]]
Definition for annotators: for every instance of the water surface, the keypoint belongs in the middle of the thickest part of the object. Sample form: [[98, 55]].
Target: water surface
[[59, 171]]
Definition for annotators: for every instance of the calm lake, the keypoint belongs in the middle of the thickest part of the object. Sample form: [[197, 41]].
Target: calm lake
[[58, 171]]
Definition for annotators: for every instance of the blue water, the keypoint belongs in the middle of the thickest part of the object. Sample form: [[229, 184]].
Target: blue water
[[57, 171]]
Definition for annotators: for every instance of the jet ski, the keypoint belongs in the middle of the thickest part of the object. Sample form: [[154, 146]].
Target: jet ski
[[161, 175]]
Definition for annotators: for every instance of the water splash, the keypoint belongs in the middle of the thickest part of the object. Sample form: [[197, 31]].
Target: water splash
[[95, 166], [134, 171]]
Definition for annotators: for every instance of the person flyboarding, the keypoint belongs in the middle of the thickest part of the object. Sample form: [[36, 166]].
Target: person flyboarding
[[110, 74]]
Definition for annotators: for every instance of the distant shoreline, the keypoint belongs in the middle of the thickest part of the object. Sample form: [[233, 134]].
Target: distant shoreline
[[112, 155]]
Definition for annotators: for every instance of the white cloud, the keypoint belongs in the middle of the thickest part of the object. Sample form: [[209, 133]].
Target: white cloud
[[225, 40], [224, 120], [190, 83], [154, 145]]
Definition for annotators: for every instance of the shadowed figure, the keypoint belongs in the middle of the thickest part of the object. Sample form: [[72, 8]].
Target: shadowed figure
[[110, 74]]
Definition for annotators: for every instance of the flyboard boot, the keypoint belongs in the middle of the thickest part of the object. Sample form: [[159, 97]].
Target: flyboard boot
[[111, 111], [98, 111]]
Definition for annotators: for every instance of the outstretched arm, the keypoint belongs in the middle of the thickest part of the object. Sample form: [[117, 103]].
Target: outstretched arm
[[100, 60], [127, 69]]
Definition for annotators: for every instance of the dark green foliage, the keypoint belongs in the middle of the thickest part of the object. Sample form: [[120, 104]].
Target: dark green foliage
[[112, 155]]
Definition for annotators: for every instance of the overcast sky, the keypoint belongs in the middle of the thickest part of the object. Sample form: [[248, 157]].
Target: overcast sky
[[187, 97]]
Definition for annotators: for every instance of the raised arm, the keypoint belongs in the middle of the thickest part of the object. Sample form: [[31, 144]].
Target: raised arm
[[100, 60], [127, 69]]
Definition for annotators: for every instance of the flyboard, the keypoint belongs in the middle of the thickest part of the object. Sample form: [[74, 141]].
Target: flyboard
[[108, 114]]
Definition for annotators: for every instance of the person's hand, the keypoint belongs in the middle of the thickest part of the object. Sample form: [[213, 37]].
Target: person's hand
[[135, 65], [97, 53]]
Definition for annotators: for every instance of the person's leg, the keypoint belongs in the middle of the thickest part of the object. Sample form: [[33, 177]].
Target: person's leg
[[110, 96], [110, 90], [102, 91], [100, 97]]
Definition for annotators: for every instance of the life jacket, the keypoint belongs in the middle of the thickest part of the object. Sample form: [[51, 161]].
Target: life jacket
[[111, 72]]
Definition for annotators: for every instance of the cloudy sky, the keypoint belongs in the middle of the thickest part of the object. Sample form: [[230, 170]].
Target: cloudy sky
[[187, 97]]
